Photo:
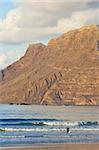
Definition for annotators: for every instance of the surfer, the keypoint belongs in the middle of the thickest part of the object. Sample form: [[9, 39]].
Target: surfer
[[67, 129]]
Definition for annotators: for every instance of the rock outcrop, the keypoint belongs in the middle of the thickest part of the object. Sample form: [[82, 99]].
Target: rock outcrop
[[65, 72]]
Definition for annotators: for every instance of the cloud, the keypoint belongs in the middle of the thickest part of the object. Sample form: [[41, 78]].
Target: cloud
[[32, 21], [2, 60], [9, 57], [78, 19]]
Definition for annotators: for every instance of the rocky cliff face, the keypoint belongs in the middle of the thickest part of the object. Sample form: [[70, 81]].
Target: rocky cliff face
[[65, 72]]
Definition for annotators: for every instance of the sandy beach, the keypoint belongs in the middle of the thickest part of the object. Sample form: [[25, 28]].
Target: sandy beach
[[59, 147]]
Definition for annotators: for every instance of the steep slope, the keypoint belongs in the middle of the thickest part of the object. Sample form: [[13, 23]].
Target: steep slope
[[66, 71]]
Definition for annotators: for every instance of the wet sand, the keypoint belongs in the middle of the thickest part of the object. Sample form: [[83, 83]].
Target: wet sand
[[59, 147]]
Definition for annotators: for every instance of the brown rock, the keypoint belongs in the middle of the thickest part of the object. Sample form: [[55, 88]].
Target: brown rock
[[65, 72]]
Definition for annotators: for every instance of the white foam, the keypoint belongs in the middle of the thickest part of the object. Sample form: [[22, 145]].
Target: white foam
[[29, 130], [86, 129], [61, 123], [12, 136], [46, 129]]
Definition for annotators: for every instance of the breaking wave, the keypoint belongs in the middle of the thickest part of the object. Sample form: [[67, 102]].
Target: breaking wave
[[44, 125], [45, 129], [45, 122]]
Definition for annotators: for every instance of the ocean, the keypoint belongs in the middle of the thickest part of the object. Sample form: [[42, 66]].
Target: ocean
[[28, 125]]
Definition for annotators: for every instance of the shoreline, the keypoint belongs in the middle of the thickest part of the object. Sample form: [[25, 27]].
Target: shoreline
[[76, 146], [32, 104]]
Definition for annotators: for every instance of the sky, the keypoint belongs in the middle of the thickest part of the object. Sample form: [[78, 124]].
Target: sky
[[23, 22]]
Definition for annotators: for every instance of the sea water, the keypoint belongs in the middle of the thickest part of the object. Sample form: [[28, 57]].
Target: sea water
[[22, 125]]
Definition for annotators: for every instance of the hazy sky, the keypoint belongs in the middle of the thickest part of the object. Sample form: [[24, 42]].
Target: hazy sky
[[29, 21]]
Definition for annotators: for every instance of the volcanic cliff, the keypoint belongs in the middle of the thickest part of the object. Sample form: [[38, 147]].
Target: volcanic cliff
[[65, 72]]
